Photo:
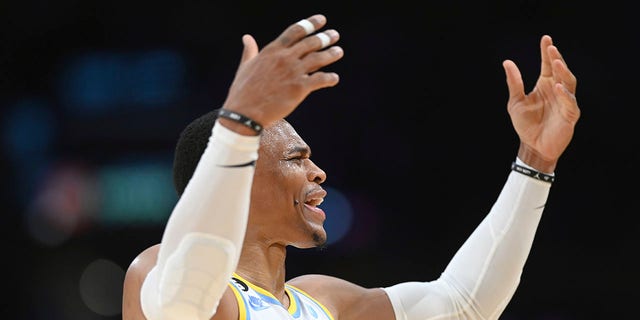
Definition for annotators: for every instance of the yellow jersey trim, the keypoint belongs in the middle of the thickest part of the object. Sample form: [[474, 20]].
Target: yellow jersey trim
[[242, 308], [314, 300]]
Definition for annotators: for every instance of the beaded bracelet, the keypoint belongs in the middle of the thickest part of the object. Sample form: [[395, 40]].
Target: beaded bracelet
[[532, 173], [239, 118]]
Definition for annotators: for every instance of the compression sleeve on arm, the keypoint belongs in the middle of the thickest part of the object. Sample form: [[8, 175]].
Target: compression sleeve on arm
[[203, 237], [483, 275]]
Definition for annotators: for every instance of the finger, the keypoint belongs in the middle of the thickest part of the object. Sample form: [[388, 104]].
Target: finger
[[316, 60], [562, 74], [320, 79], [301, 29], [316, 42], [569, 104], [324, 39], [554, 53], [514, 80], [307, 25], [250, 49], [545, 68]]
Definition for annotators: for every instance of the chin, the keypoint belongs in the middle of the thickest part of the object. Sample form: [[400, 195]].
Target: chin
[[319, 239]]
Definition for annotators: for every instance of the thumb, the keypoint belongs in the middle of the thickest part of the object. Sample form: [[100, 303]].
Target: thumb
[[515, 83], [250, 49]]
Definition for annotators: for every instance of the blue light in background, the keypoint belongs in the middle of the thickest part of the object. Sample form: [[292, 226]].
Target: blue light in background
[[28, 130], [93, 83], [98, 82], [156, 78], [339, 215]]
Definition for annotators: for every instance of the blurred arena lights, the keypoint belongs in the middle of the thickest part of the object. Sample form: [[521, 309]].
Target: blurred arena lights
[[100, 287], [352, 220], [136, 193], [99, 82], [63, 205], [73, 198], [339, 214], [28, 131]]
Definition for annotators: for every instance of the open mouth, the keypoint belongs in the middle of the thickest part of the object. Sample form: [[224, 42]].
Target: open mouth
[[314, 202]]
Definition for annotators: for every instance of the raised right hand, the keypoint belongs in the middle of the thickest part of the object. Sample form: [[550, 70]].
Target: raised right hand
[[269, 84]]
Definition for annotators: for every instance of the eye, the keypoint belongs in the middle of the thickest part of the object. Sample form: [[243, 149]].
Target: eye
[[296, 158], [298, 155]]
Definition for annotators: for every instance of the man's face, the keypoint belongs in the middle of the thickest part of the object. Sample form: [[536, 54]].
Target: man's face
[[286, 191]]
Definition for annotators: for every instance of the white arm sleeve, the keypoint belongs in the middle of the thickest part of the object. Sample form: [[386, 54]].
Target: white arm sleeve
[[203, 237], [483, 275]]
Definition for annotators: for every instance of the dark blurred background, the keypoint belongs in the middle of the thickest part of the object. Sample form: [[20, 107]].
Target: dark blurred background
[[415, 139]]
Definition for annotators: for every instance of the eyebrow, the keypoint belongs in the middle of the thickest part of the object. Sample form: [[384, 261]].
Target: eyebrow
[[300, 149]]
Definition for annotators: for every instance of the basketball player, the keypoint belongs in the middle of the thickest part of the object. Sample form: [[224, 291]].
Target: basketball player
[[248, 190]]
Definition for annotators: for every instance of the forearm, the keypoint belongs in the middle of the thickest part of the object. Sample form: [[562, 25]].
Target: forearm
[[216, 200], [484, 273], [204, 232]]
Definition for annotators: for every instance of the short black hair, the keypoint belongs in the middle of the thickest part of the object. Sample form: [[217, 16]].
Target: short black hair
[[189, 149]]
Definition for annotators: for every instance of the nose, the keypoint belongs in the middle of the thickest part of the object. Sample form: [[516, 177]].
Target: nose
[[315, 174]]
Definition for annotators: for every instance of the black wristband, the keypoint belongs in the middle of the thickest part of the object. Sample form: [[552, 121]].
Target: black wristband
[[239, 118], [532, 173]]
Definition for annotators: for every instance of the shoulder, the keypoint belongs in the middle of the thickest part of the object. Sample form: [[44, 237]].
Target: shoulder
[[142, 265], [138, 271], [345, 299], [134, 277], [146, 259]]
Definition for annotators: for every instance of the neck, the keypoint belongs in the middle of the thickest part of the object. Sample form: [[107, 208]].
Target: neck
[[264, 266]]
